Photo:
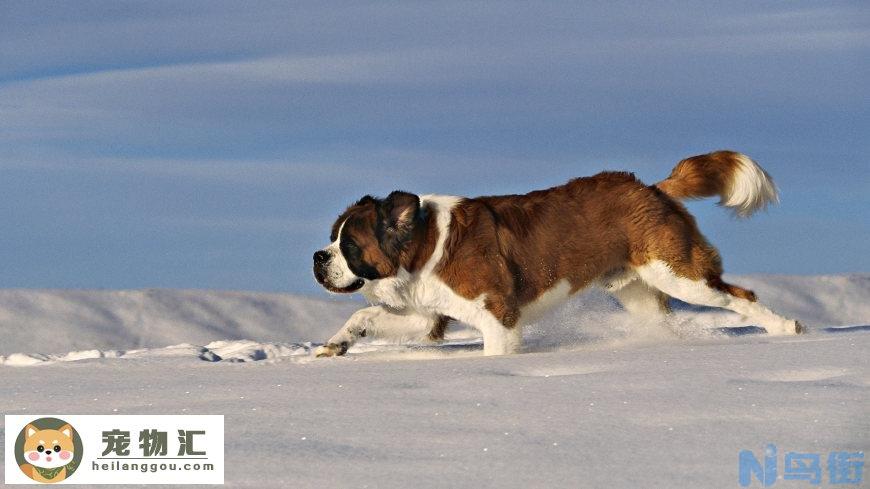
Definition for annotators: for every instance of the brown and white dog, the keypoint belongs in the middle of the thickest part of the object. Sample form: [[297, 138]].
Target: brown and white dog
[[496, 263]]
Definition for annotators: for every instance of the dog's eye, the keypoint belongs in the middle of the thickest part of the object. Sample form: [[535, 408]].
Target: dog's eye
[[40, 448], [350, 248], [57, 448]]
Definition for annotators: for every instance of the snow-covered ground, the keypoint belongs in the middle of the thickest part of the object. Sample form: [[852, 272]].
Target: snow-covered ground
[[599, 399]]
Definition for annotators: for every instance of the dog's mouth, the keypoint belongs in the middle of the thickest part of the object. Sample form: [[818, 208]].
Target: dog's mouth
[[322, 278], [353, 287]]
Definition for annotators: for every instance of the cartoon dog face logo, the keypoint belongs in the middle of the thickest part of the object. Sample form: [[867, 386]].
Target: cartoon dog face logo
[[48, 450]]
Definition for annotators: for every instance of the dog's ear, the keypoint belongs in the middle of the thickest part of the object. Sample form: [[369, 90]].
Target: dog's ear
[[30, 430], [365, 200], [397, 215], [66, 430]]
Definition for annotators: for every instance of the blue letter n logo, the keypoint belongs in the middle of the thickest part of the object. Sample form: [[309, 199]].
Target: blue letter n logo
[[749, 465]]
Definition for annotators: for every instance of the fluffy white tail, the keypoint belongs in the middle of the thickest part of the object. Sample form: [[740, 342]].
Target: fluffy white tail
[[741, 184]]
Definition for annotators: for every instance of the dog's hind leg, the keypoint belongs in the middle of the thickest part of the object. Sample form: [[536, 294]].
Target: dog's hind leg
[[439, 327], [714, 292], [645, 303], [642, 300], [499, 339]]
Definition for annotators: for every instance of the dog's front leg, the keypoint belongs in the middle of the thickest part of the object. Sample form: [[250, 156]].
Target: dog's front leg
[[354, 328], [499, 325], [374, 322]]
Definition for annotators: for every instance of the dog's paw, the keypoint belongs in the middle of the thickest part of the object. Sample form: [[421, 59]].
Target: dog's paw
[[331, 350]]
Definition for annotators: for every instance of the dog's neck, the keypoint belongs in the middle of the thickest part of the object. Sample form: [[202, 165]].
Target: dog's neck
[[422, 243]]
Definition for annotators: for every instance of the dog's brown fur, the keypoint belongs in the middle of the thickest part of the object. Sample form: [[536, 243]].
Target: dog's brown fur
[[700, 176]]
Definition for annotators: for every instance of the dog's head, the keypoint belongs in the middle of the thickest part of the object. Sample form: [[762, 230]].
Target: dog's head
[[367, 241], [48, 449]]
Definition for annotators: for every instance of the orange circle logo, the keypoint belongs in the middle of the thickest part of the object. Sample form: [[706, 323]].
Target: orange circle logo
[[48, 450]]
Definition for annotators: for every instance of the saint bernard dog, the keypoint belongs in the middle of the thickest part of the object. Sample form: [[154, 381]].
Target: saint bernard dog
[[497, 263]]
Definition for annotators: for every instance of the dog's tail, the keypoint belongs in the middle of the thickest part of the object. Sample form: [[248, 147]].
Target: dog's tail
[[739, 182]]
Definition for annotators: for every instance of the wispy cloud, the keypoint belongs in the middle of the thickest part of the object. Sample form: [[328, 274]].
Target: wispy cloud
[[371, 67], [430, 65], [259, 224], [245, 172]]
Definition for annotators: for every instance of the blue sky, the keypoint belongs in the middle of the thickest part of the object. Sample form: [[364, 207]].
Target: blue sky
[[211, 144]]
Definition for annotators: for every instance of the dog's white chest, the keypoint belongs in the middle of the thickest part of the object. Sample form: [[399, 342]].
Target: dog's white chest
[[423, 294]]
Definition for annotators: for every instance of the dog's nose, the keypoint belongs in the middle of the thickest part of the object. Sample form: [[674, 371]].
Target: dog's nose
[[48, 452], [321, 257]]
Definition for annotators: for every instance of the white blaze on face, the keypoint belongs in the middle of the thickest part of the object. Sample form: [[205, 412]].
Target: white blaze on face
[[337, 272]]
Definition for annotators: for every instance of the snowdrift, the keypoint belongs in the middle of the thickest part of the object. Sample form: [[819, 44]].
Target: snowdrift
[[57, 321], [64, 325]]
